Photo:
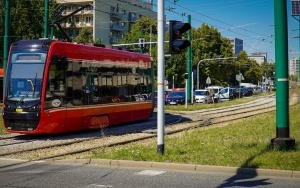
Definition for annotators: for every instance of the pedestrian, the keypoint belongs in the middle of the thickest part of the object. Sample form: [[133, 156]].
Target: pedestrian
[[212, 95]]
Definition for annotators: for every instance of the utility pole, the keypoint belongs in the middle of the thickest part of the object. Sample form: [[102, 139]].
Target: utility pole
[[282, 139], [46, 19], [6, 36], [160, 77]]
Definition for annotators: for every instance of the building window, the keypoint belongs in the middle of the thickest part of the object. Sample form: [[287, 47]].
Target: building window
[[77, 20], [88, 19]]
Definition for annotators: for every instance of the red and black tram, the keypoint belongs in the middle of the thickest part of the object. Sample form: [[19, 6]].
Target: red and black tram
[[56, 87]]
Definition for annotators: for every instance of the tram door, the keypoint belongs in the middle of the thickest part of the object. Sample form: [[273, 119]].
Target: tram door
[[74, 82]]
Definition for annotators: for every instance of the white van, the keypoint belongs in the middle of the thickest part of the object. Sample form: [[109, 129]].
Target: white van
[[226, 94], [216, 89]]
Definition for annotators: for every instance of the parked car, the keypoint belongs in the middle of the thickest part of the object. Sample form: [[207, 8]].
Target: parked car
[[202, 96], [257, 89], [243, 90], [227, 93], [249, 91], [175, 97], [239, 92], [155, 97]]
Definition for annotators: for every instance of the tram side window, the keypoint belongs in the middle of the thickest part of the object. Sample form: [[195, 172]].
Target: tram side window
[[56, 85], [90, 88]]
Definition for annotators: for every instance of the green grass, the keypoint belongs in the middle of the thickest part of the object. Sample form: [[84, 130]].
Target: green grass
[[2, 131], [242, 144]]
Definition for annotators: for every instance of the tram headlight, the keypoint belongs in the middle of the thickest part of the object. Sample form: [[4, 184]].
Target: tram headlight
[[7, 107], [34, 108]]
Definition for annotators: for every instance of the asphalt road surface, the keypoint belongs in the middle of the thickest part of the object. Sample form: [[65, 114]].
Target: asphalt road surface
[[68, 175]]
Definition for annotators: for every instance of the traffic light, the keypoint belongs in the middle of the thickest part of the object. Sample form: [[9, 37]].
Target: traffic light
[[176, 43]]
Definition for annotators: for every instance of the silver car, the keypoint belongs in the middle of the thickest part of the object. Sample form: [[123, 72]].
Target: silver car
[[202, 96]]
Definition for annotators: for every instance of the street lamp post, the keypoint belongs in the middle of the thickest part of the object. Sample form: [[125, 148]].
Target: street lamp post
[[202, 60]]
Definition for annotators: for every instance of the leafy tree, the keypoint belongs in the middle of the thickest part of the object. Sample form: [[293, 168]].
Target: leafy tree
[[141, 29], [26, 19], [208, 43], [293, 77], [250, 70], [85, 35], [268, 69]]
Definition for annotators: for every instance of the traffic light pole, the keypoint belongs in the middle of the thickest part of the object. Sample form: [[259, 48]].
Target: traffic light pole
[[160, 77], [282, 139], [189, 65]]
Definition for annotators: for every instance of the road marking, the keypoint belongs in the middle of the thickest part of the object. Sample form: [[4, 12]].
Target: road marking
[[150, 172], [97, 185]]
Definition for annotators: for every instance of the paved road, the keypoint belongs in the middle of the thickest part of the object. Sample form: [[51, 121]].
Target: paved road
[[15, 173]]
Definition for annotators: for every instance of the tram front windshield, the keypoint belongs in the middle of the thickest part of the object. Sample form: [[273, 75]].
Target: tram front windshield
[[24, 76]]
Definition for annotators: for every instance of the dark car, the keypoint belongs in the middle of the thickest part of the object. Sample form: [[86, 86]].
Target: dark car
[[249, 91], [155, 97], [176, 97]]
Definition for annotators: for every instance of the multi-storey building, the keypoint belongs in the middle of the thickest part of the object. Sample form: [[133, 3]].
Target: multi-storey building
[[294, 67], [259, 57], [237, 45], [110, 19]]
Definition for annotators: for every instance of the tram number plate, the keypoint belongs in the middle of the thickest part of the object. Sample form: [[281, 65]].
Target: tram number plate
[[19, 110]]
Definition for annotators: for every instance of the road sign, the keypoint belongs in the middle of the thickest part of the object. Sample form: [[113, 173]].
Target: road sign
[[208, 80], [239, 77]]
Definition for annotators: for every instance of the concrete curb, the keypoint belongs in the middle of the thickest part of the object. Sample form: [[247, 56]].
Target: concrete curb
[[188, 167]]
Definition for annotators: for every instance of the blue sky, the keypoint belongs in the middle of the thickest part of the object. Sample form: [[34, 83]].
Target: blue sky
[[250, 20]]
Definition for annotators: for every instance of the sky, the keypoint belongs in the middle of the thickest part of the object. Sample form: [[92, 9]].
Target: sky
[[249, 20]]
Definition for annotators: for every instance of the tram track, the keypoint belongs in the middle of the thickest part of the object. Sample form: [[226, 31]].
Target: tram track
[[179, 123]]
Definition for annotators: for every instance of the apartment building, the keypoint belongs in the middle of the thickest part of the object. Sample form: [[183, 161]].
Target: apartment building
[[294, 67], [110, 19]]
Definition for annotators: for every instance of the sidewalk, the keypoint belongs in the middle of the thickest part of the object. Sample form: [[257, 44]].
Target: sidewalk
[[6, 164]]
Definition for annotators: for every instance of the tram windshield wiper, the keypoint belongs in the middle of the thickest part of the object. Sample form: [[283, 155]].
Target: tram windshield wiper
[[23, 97]]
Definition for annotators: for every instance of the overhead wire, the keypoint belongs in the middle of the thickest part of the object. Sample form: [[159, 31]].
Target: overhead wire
[[219, 27], [183, 15], [220, 21]]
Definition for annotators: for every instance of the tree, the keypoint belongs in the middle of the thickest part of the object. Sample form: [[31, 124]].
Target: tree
[[141, 29], [250, 70], [85, 36], [208, 43], [26, 19]]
